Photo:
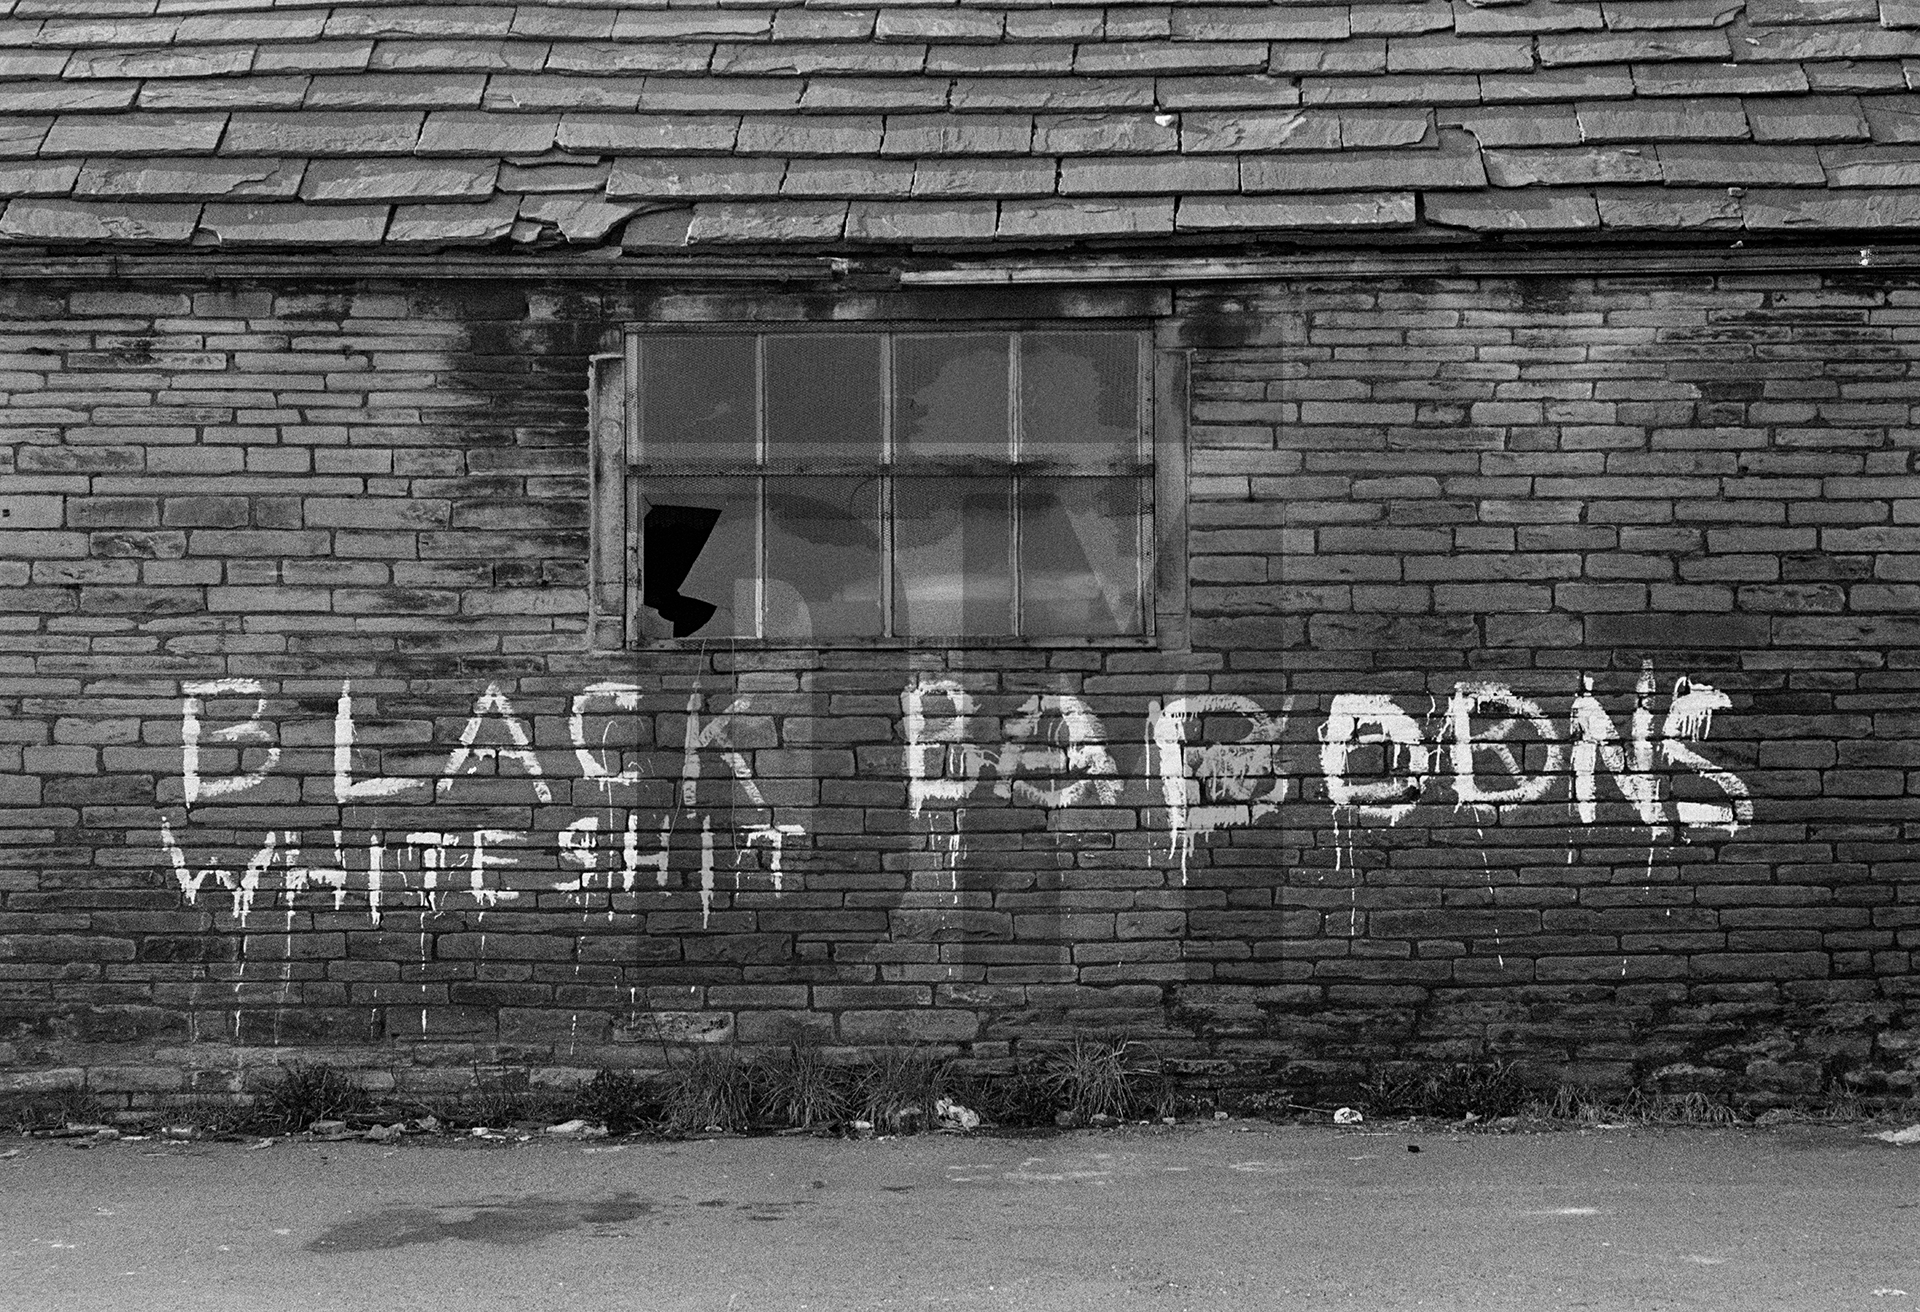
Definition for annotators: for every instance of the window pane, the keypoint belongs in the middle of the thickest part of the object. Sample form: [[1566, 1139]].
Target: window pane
[[823, 557], [699, 554], [1080, 556], [697, 399], [823, 397], [1080, 397], [950, 396], [952, 571]]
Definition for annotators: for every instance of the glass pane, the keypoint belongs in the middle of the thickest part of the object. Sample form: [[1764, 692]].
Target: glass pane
[[1080, 556], [699, 554], [823, 397], [950, 396], [952, 574], [823, 557], [697, 399], [1080, 397]]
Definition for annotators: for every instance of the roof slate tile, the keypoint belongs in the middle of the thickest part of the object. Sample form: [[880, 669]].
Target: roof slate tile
[[775, 222], [1666, 207], [1084, 217], [993, 60], [66, 97], [1576, 168], [465, 132], [1663, 120], [820, 57], [1202, 22], [90, 221], [313, 57], [1532, 16], [1620, 48], [1891, 118], [1148, 23], [292, 224], [1807, 118], [1856, 75], [871, 94], [160, 178], [1239, 90], [695, 176], [1546, 125], [1453, 54], [824, 24], [396, 91], [1280, 129], [1718, 79], [893, 220], [202, 61], [285, 92], [607, 57], [287, 25], [644, 133], [135, 134], [420, 20], [1368, 210], [553, 177], [37, 178], [107, 32], [1149, 175], [1639, 15], [730, 95], [1097, 134], [1769, 13], [514, 92], [1397, 19], [33, 63], [1405, 89], [1870, 166], [445, 56], [1591, 82], [1893, 208], [1838, 41], [22, 136], [825, 134], [1170, 57], [1736, 165], [970, 93], [308, 132], [397, 179], [1455, 164], [985, 177], [454, 224], [1062, 24], [579, 218], [666, 229], [1513, 212], [839, 177], [691, 24], [1358, 56], [1900, 13], [566, 24], [957, 134], [938, 25]]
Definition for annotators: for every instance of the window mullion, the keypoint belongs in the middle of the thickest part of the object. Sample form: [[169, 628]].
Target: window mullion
[[760, 485], [1013, 495], [887, 617]]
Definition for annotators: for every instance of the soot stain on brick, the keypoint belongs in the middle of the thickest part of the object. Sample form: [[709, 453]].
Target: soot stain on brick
[[511, 1224]]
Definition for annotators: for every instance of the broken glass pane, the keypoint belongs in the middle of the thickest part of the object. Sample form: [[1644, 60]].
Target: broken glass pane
[[699, 554], [952, 557], [950, 396], [1080, 557], [1080, 397], [698, 399], [823, 557], [823, 397]]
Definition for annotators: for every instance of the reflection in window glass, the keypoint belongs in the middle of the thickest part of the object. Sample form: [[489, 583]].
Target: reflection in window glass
[[1079, 556], [1079, 397], [698, 399], [823, 397], [823, 557], [700, 554], [950, 396], [952, 557]]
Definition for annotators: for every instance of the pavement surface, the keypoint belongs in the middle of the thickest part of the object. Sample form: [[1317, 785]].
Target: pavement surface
[[1226, 1215]]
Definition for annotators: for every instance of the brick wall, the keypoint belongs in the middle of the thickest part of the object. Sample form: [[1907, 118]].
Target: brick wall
[[1549, 698]]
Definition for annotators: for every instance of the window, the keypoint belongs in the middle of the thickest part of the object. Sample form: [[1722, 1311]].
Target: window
[[892, 483]]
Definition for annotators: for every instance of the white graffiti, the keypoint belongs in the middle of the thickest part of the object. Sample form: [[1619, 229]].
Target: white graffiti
[[1361, 719], [1216, 786]]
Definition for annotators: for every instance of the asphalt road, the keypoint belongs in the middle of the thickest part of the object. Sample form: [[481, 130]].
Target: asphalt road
[[1232, 1215]]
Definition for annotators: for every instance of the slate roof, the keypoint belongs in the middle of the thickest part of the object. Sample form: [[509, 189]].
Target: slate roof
[[659, 125]]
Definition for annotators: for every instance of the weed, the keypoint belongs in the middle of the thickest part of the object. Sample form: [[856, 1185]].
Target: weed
[[897, 1092], [714, 1091], [1107, 1075], [620, 1102], [305, 1093], [1484, 1090], [801, 1089], [1575, 1103], [1015, 1098], [51, 1109]]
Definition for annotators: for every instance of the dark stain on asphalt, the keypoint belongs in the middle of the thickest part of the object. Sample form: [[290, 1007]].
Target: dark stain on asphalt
[[523, 1221]]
